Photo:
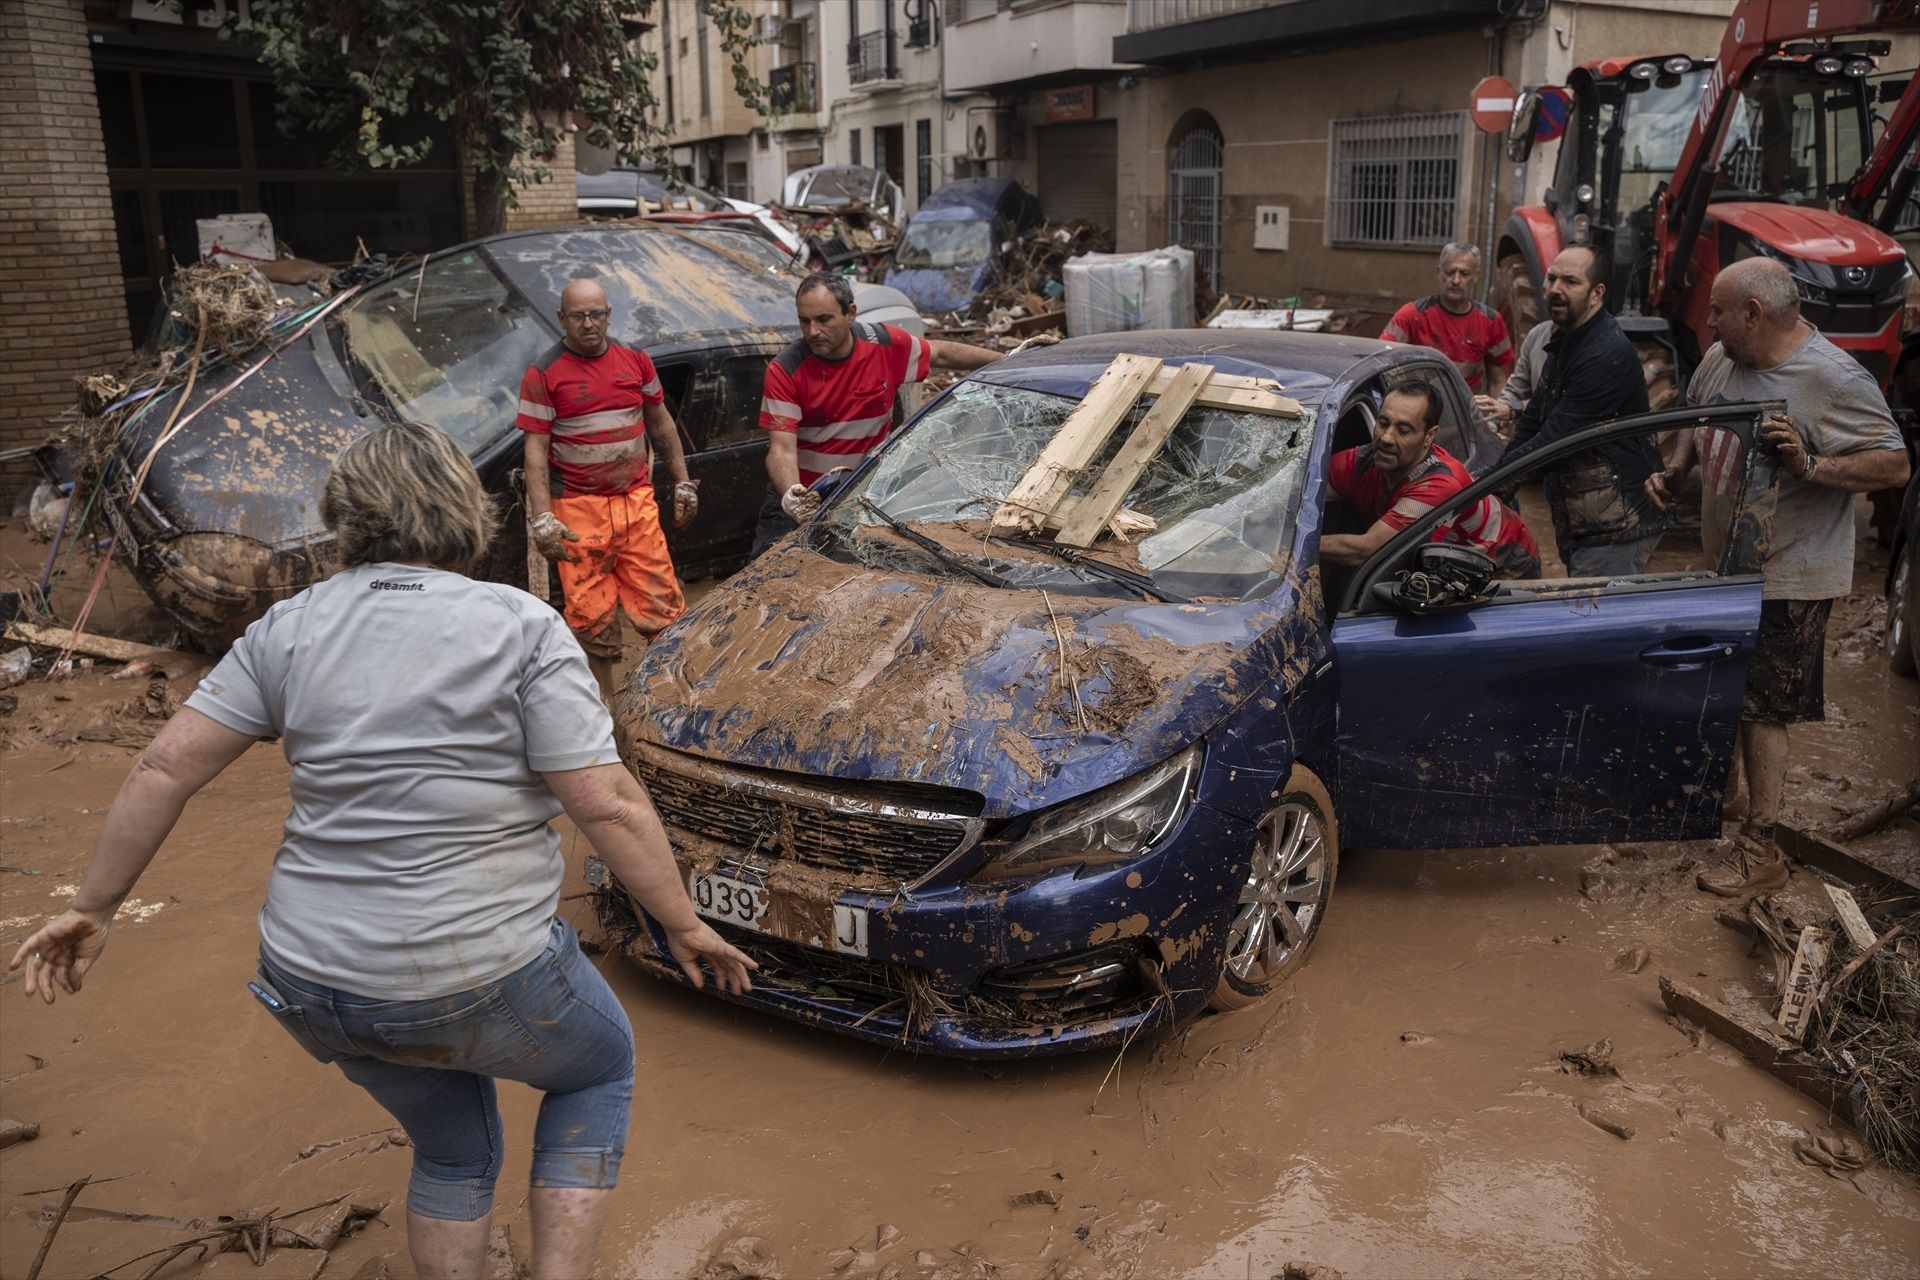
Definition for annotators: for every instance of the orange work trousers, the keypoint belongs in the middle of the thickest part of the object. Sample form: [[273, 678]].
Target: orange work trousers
[[622, 564]]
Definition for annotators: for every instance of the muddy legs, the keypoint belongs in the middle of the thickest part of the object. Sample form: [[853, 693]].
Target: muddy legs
[[1763, 759], [446, 1250], [566, 1228]]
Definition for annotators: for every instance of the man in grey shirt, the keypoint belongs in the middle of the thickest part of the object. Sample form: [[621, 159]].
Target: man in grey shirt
[[1836, 440], [1500, 410]]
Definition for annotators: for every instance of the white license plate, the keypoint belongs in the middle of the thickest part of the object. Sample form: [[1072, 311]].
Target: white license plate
[[744, 905]]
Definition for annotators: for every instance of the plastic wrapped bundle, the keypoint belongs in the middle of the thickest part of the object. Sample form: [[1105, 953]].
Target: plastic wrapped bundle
[[1115, 292]]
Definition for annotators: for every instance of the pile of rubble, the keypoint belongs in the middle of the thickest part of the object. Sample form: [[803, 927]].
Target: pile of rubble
[[1030, 296], [850, 236]]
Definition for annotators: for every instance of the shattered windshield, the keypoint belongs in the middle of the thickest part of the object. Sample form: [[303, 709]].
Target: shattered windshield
[[1221, 494], [447, 347], [945, 244]]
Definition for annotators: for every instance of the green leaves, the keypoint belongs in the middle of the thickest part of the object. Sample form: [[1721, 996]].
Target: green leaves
[[505, 75]]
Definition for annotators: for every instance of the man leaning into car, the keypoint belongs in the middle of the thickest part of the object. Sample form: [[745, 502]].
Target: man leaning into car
[[1403, 474], [594, 409], [829, 397]]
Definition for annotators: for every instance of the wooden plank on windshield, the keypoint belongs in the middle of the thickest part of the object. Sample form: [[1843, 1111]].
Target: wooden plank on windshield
[[1090, 516], [1076, 444], [1235, 392]]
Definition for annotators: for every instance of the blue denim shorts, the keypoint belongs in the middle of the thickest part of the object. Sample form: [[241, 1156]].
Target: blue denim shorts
[[553, 1024]]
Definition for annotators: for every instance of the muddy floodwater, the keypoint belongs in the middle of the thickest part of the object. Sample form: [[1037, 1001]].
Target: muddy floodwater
[[1401, 1110]]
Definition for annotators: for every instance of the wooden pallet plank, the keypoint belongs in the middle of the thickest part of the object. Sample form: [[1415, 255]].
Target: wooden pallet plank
[[94, 646], [1236, 392], [1090, 517], [1759, 1043], [1819, 852], [1852, 920], [1076, 443]]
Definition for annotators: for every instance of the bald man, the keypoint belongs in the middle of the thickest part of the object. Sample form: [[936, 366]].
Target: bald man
[[594, 415], [1835, 441]]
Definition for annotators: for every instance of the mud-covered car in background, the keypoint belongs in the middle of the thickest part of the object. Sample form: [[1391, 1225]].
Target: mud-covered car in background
[[984, 795], [228, 520]]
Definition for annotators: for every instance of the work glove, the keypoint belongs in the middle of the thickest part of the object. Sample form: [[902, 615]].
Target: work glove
[[550, 537], [800, 503], [686, 503]]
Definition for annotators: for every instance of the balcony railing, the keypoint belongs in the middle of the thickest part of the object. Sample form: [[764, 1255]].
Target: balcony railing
[[870, 58], [794, 90]]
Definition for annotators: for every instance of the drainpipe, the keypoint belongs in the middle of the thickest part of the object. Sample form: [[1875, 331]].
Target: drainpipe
[[1496, 64]]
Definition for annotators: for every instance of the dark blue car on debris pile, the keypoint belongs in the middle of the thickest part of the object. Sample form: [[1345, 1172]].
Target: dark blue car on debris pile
[[984, 795], [951, 249]]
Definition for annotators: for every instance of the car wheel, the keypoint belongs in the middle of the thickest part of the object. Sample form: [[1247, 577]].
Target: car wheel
[[1903, 615], [1281, 905]]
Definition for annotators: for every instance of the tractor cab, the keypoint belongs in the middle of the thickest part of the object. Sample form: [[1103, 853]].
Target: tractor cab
[[1800, 130]]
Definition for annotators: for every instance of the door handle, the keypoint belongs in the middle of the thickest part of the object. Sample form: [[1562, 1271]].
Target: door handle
[[1686, 651]]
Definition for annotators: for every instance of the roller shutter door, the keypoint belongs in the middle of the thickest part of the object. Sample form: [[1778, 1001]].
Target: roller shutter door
[[1078, 170]]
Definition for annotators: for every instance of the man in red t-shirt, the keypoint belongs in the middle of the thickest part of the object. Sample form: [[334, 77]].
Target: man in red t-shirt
[[1469, 333], [1403, 474], [594, 409], [829, 398]]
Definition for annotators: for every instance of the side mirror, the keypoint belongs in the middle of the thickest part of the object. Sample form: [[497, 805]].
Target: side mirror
[[1444, 579], [1520, 129]]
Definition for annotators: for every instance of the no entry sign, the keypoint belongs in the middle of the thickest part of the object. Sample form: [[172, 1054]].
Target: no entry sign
[[1493, 104]]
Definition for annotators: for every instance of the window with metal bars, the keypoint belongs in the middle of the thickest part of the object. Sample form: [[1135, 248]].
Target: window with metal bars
[[1396, 179]]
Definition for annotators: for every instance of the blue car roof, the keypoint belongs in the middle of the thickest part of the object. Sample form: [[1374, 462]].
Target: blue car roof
[[978, 195], [1305, 364]]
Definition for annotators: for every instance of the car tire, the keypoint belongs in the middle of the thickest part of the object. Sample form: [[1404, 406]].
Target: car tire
[[1903, 618], [1296, 858]]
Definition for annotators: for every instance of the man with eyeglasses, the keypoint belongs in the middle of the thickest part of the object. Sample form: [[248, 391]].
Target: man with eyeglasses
[[593, 411]]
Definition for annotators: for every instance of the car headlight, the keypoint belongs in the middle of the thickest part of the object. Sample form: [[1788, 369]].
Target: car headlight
[[1114, 824]]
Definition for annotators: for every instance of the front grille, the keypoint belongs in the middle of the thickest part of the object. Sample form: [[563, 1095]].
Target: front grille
[[747, 811], [1081, 981]]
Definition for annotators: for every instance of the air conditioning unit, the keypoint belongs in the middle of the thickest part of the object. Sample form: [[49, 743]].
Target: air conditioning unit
[[989, 133]]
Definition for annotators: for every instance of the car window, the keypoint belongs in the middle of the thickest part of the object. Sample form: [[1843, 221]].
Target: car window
[[735, 416], [448, 345], [1222, 493], [1714, 502]]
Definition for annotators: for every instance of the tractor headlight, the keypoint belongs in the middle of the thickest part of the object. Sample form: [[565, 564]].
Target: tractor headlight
[[1114, 824]]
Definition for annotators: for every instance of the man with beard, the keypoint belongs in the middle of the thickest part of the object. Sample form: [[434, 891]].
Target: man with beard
[[1403, 474], [1602, 518]]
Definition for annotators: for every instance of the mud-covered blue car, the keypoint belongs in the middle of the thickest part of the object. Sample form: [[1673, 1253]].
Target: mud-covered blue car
[[951, 249], [982, 795]]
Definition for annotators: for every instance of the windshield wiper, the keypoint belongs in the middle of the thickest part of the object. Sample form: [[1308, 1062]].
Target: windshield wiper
[[1139, 583], [933, 548]]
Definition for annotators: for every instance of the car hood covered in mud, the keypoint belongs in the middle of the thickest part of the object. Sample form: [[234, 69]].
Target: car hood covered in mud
[[807, 665]]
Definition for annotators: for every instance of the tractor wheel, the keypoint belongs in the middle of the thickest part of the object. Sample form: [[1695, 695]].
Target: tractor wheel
[[1516, 296]]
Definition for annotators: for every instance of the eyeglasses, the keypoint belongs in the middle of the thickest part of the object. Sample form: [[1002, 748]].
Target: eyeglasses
[[584, 317]]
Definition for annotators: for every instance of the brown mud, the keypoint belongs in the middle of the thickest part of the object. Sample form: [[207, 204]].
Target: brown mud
[[1403, 1108]]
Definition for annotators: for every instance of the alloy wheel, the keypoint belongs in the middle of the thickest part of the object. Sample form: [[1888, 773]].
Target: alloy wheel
[[1286, 891]]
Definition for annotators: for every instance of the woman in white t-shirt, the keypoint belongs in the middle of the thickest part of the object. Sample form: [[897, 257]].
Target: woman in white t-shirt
[[435, 725]]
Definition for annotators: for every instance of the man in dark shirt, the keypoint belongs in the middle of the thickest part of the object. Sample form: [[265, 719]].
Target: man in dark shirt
[[1602, 518]]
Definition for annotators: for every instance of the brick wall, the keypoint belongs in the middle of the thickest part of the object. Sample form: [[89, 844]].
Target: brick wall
[[62, 310], [541, 204]]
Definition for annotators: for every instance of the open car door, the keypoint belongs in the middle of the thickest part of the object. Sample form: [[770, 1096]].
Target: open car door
[[1555, 711]]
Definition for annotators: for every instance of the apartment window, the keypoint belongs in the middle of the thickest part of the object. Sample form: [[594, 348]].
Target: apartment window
[[968, 10], [1396, 179], [923, 164], [706, 90], [853, 146]]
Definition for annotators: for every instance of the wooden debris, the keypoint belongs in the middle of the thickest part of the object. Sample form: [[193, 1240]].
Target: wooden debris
[[98, 646], [1858, 962], [1237, 392], [53, 1228], [1043, 1196], [1852, 920], [1075, 445], [1819, 852], [1809, 962], [1595, 1059], [1865, 821], [1760, 1043], [1102, 503]]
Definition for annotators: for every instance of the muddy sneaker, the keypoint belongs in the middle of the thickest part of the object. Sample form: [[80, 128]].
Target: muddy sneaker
[[1749, 871]]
